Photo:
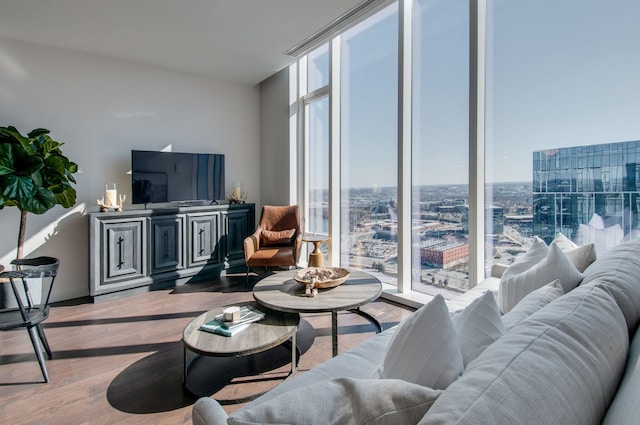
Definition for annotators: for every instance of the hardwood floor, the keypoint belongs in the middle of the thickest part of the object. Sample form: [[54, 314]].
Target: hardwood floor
[[120, 361]]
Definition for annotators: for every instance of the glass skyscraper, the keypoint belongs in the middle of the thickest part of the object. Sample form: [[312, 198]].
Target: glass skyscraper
[[587, 188]]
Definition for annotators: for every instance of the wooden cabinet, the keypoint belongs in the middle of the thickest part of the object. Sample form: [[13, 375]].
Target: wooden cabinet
[[237, 228], [204, 237], [133, 250], [166, 243], [121, 251]]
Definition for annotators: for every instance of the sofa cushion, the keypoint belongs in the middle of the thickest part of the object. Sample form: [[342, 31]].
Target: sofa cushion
[[624, 407], [344, 401], [460, 302], [561, 365], [360, 362], [207, 411], [531, 303], [619, 270], [536, 253], [555, 265], [424, 349], [478, 326], [580, 256]]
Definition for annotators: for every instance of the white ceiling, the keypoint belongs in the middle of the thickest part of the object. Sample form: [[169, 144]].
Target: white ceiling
[[235, 40]]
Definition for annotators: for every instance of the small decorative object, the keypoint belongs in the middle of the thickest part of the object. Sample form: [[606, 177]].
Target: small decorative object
[[231, 314], [321, 277], [111, 199], [238, 196], [310, 290]]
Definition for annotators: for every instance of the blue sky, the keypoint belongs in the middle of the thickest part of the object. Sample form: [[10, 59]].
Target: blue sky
[[559, 73]]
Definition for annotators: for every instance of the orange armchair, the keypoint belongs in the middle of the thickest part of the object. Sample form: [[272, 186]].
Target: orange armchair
[[278, 239]]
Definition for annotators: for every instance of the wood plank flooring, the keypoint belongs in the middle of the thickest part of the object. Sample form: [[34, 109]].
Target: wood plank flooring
[[120, 361]]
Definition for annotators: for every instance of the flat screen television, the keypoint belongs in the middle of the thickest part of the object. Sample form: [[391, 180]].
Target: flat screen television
[[176, 176]]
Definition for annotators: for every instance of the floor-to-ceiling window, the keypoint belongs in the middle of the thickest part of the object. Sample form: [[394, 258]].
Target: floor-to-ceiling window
[[317, 158], [369, 144], [317, 139], [439, 146], [559, 96], [562, 86]]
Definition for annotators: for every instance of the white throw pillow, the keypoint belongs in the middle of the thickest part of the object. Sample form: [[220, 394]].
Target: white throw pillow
[[343, 401], [562, 365], [556, 265], [424, 349], [478, 326], [580, 256], [536, 253], [531, 303], [563, 242]]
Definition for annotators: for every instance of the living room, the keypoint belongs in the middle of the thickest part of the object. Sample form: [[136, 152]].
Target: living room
[[102, 104]]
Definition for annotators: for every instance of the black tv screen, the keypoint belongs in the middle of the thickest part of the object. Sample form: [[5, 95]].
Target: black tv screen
[[176, 176]]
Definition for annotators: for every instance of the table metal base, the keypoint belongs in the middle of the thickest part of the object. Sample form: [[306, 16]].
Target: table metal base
[[334, 326], [187, 365]]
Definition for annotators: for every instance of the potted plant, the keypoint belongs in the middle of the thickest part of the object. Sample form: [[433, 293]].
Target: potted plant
[[34, 175]]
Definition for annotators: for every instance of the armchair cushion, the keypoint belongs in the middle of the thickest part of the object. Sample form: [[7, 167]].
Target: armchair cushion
[[278, 238]]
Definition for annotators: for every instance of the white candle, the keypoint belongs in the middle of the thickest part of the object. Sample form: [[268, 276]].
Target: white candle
[[111, 195], [236, 192]]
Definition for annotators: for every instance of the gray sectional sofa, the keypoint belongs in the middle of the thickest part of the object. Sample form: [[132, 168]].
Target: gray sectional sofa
[[569, 358]]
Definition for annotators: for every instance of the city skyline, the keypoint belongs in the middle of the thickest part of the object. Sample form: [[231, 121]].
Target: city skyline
[[572, 84]]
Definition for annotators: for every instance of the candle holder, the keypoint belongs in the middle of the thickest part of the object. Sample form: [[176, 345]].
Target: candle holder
[[111, 199], [238, 196]]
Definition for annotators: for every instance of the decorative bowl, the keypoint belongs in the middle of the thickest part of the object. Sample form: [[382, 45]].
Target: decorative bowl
[[322, 277]]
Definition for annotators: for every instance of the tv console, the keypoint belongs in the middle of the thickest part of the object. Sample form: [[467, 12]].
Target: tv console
[[140, 250]]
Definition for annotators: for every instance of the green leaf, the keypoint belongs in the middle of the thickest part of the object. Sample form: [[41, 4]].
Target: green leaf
[[56, 164], [67, 198], [11, 135], [18, 187], [42, 201], [24, 163], [37, 132], [6, 159]]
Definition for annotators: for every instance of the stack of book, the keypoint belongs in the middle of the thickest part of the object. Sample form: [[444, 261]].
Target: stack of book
[[218, 326]]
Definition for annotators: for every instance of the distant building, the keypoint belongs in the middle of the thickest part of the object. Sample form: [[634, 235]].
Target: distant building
[[594, 186], [445, 255]]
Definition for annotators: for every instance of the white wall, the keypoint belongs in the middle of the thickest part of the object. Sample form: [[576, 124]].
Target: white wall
[[102, 108], [275, 115]]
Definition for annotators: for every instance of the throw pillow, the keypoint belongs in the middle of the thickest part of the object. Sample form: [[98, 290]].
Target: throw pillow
[[277, 238], [478, 326], [536, 253], [531, 303], [562, 365], [556, 265], [424, 349], [344, 401], [563, 242], [580, 256]]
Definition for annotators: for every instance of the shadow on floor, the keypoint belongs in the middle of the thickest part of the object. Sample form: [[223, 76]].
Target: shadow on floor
[[154, 383]]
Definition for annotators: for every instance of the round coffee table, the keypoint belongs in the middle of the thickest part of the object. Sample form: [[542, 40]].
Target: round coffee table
[[274, 329], [281, 292]]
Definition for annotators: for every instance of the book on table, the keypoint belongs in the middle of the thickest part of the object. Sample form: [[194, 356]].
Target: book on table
[[248, 315]]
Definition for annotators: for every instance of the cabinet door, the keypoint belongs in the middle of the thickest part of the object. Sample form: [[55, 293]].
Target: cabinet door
[[166, 244], [204, 234], [122, 251], [238, 225]]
